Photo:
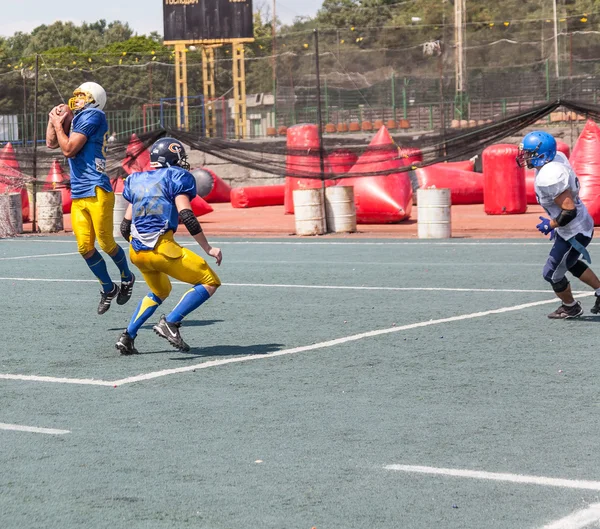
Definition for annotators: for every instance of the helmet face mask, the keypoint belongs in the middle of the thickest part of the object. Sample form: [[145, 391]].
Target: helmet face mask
[[88, 95], [168, 152], [536, 150]]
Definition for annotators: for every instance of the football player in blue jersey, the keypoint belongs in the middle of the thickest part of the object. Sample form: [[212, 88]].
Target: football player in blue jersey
[[93, 197], [158, 199]]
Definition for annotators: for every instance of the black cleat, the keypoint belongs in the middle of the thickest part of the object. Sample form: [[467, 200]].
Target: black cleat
[[125, 344], [125, 291], [106, 298], [566, 313], [170, 331], [596, 308]]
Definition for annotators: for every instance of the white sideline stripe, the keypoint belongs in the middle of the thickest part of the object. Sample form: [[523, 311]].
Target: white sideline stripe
[[32, 429], [36, 256], [58, 380], [323, 287], [329, 343], [419, 264], [313, 347], [577, 520], [495, 476], [399, 289]]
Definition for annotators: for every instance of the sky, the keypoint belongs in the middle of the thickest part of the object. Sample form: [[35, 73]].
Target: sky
[[143, 16]]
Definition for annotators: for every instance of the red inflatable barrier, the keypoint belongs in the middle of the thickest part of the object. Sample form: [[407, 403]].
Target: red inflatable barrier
[[118, 184], [463, 165], [503, 181], [57, 179], [530, 174], [380, 199], [257, 196], [564, 148], [410, 155], [210, 187], [466, 187], [303, 158], [9, 169], [138, 157], [339, 162], [586, 163], [200, 206]]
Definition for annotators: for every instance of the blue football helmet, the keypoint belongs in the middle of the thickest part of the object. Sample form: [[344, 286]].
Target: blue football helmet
[[536, 150], [168, 152]]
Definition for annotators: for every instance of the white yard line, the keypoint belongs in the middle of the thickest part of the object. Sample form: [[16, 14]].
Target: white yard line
[[329, 343], [496, 476], [37, 256], [284, 352], [577, 520], [32, 429], [57, 380], [317, 287]]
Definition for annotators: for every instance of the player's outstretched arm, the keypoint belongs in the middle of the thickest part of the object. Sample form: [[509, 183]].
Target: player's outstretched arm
[[191, 223]]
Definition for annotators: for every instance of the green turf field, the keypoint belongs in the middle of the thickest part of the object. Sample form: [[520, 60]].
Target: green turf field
[[333, 384]]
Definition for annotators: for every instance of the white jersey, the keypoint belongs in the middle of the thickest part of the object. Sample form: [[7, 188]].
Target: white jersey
[[553, 179]]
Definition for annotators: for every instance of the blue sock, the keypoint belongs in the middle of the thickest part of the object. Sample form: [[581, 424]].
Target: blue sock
[[190, 301], [98, 266], [144, 310], [121, 262]]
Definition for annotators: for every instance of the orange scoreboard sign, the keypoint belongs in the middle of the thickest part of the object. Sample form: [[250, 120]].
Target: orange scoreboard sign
[[207, 20]]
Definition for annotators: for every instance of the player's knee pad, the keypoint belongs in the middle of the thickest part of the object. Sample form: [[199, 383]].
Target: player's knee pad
[[560, 286], [578, 268], [84, 249], [162, 293], [108, 247]]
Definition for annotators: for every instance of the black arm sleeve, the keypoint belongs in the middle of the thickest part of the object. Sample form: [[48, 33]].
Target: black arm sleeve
[[191, 222], [566, 216], [126, 229]]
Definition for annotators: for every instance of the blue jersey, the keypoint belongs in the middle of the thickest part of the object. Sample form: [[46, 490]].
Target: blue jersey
[[152, 196], [88, 166]]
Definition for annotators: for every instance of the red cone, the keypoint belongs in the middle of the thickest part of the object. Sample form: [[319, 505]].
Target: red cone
[[138, 157], [57, 179], [380, 199]]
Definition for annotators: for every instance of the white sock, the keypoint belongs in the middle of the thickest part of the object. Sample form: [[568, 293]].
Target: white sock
[[570, 304], [598, 292]]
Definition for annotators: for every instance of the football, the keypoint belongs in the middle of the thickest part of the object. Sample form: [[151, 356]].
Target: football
[[64, 109]]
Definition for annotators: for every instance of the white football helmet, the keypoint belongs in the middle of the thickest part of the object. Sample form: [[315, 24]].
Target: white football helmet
[[93, 94]]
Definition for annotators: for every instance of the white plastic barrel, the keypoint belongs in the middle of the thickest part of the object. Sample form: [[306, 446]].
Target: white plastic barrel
[[11, 215], [434, 213], [309, 211], [119, 213], [340, 210], [49, 211]]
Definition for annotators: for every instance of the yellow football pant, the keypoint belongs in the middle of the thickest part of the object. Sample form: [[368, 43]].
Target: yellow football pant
[[92, 217], [170, 259]]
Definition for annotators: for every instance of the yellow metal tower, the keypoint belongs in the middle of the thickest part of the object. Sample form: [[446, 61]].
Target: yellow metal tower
[[239, 89], [181, 87]]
